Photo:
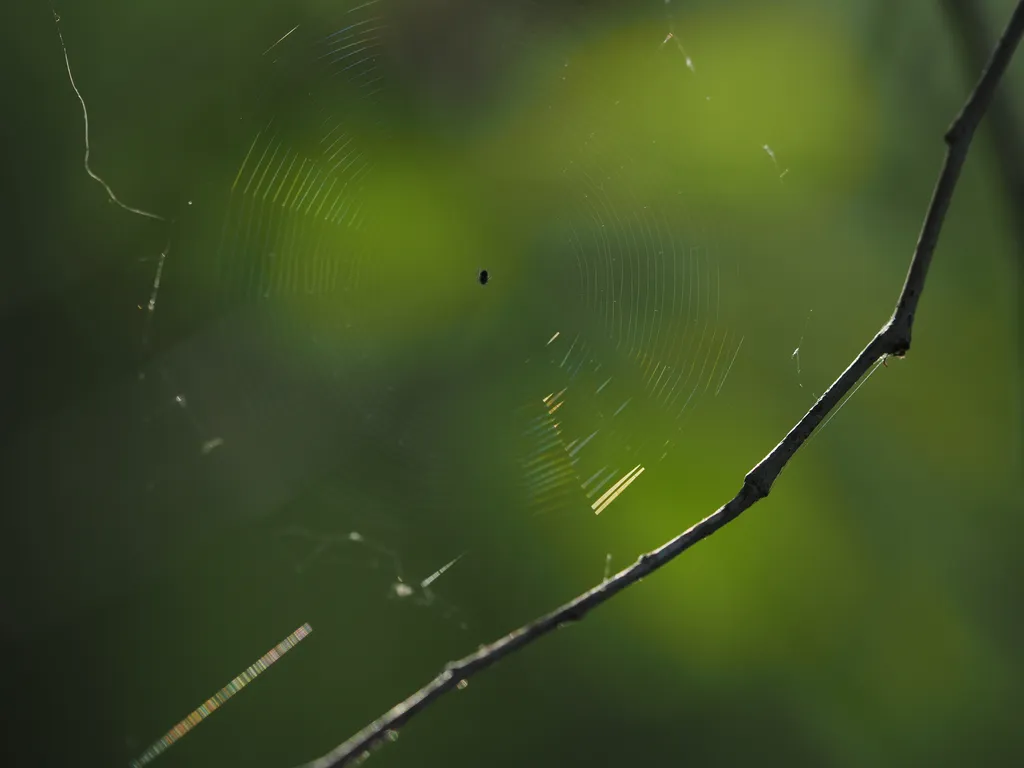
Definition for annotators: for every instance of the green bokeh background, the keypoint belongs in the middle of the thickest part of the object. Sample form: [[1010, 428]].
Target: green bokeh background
[[868, 613]]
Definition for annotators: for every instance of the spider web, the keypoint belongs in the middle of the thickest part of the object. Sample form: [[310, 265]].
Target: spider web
[[641, 326], [337, 257], [359, 213], [645, 329]]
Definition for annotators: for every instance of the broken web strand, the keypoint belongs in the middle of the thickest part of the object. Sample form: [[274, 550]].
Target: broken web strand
[[179, 401], [88, 149], [428, 594], [280, 40], [783, 172], [672, 39], [799, 345], [207, 708], [418, 592], [149, 307]]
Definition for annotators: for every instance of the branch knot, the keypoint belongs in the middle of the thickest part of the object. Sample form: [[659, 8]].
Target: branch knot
[[755, 484]]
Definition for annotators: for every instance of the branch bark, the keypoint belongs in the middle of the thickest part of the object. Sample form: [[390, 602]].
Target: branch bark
[[893, 339]]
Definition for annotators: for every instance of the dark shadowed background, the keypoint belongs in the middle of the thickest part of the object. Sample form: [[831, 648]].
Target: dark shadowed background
[[285, 397]]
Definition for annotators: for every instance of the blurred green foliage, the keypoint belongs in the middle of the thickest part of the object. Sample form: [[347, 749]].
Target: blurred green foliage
[[867, 613]]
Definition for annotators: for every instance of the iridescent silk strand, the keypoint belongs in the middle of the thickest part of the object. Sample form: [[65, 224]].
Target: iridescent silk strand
[[225, 693]]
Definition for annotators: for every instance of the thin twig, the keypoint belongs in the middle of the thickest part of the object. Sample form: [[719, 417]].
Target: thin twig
[[892, 339], [1005, 130], [1003, 125]]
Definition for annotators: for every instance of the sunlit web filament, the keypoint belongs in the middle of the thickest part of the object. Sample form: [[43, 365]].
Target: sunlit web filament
[[439, 572], [862, 382], [280, 40], [225, 693], [613, 493], [689, 62], [88, 150]]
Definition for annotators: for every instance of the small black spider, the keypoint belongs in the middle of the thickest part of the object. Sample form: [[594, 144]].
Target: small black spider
[[483, 277]]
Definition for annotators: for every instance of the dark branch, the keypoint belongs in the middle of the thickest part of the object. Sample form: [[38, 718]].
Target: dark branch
[[893, 339], [1005, 130], [1003, 125]]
